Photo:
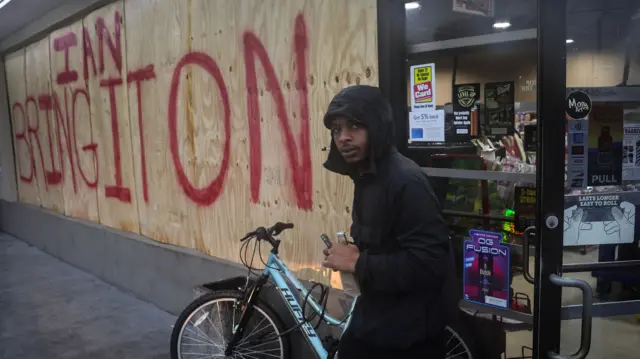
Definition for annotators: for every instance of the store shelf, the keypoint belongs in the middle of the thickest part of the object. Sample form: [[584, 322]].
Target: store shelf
[[495, 38], [504, 315], [529, 178]]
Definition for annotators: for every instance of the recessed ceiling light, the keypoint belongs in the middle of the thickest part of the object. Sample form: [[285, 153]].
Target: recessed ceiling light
[[411, 5], [502, 24], [3, 3], [569, 41]]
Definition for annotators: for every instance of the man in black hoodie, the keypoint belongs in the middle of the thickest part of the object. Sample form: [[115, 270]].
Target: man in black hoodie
[[402, 259]]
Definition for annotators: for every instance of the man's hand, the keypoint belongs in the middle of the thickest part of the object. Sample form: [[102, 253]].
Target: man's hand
[[341, 257]]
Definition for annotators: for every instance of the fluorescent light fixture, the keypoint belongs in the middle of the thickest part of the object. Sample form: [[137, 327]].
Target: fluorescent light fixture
[[3, 3], [569, 41], [411, 5], [502, 24]]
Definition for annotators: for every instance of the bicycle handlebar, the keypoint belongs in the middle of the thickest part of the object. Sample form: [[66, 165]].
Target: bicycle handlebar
[[266, 233]]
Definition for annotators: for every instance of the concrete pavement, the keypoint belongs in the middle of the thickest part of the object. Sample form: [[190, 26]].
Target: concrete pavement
[[49, 309]]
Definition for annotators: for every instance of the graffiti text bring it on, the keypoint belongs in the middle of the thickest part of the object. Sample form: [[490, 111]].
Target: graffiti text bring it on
[[63, 105]]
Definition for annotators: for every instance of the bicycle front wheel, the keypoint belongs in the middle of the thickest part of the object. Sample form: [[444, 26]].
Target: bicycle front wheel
[[205, 327]]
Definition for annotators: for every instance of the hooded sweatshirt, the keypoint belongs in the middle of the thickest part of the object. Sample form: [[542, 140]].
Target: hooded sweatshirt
[[405, 270]]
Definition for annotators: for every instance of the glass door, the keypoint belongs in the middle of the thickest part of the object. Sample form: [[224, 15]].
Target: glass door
[[587, 302]]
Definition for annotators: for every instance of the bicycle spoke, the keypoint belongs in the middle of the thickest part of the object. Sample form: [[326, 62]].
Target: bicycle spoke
[[454, 348], [198, 340], [257, 345], [254, 331], [202, 342], [246, 356], [256, 352], [216, 328], [204, 356], [203, 335]]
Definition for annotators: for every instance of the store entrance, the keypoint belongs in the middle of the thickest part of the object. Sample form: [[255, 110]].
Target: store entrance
[[526, 116]]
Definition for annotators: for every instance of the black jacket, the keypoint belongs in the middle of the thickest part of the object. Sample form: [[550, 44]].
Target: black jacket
[[405, 270]]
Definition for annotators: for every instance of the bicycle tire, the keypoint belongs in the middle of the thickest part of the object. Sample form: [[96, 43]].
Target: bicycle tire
[[200, 302], [464, 338]]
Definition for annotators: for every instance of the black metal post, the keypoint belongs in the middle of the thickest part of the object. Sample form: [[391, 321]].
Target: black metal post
[[392, 64], [550, 174]]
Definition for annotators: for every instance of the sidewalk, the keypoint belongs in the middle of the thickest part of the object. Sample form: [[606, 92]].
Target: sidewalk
[[49, 309]]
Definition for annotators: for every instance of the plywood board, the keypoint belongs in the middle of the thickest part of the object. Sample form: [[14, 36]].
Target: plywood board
[[25, 163], [117, 199], [292, 187], [166, 214], [217, 108], [73, 122], [39, 109]]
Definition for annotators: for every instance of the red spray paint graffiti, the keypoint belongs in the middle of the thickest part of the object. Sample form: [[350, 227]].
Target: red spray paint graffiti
[[65, 115]]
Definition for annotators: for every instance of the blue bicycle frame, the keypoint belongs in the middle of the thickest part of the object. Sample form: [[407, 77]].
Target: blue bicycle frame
[[278, 271]]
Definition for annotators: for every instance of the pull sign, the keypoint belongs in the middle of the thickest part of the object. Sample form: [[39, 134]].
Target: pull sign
[[578, 105]]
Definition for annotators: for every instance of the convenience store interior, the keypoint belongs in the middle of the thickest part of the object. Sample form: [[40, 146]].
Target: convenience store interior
[[481, 170]]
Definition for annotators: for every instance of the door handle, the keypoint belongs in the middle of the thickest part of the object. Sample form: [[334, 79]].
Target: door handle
[[587, 315], [525, 254]]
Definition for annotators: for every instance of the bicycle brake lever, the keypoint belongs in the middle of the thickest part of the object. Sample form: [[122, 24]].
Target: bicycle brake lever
[[249, 235]]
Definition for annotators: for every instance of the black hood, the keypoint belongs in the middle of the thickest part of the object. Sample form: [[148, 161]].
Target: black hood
[[364, 104]]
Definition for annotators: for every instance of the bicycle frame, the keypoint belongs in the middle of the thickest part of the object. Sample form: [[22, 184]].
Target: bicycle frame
[[278, 271]]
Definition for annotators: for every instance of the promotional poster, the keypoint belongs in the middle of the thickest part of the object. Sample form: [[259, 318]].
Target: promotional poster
[[604, 166], [423, 87], [577, 153], [598, 219], [426, 126], [486, 270], [466, 119], [631, 152], [500, 107]]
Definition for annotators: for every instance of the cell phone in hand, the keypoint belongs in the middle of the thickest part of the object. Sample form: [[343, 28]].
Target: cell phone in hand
[[326, 240], [342, 237]]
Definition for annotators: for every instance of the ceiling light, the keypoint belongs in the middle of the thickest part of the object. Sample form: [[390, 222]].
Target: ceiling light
[[3, 3], [502, 25], [569, 41], [411, 5]]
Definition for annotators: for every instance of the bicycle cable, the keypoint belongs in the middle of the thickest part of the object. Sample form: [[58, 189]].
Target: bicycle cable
[[324, 290]]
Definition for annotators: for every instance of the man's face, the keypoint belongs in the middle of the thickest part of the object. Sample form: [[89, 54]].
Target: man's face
[[350, 138]]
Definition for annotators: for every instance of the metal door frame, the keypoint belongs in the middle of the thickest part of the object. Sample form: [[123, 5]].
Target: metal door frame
[[551, 85], [548, 310]]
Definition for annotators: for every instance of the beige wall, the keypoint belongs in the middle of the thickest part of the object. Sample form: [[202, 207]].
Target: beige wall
[[192, 122]]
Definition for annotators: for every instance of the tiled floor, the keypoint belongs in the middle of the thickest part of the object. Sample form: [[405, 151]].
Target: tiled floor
[[49, 309]]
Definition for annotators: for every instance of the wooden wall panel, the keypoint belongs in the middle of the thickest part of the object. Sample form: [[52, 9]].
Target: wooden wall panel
[[153, 54], [17, 90], [39, 110], [73, 123], [210, 113], [110, 127]]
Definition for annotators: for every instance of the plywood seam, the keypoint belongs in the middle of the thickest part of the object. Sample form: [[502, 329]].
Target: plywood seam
[[16, 161]]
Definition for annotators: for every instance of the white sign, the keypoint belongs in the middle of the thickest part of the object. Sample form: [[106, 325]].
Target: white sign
[[423, 87], [599, 219], [426, 126]]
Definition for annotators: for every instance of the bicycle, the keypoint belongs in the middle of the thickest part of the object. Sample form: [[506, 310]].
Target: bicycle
[[238, 334]]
